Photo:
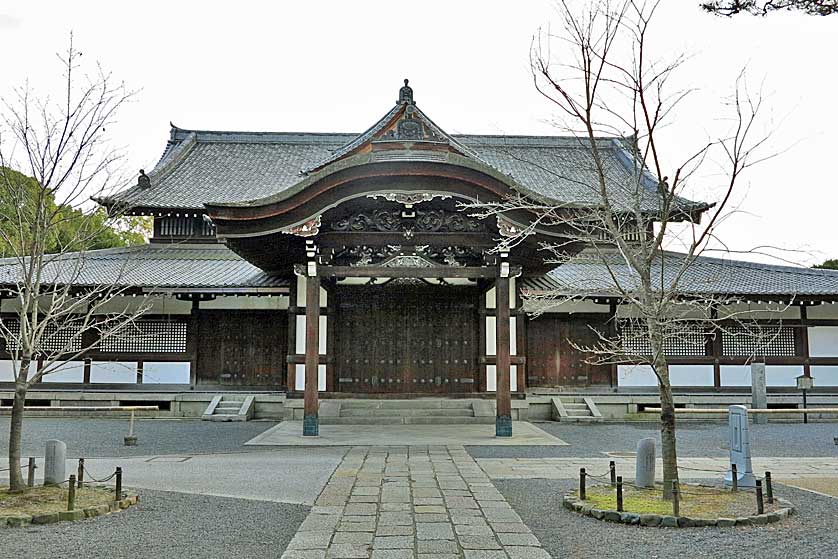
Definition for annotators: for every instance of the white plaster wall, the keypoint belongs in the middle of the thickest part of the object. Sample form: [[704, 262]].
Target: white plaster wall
[[775, 375], [825, 375], [301, 293], [491, 335], [271, 302], [571, 307], [69, 371], [823, 341], [679, 375], [300, 377], [7, 372], [300, 334], [159, 305], [492, 378], [760, 310], [491, 298], [162, 372], [113, 372], [825, 311]]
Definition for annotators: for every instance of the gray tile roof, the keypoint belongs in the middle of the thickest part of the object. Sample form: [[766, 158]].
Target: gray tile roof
[[163, 266], [200, 167], [586, 274]]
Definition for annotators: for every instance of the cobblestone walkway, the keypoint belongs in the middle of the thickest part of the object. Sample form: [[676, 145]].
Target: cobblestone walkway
[[412, 502]]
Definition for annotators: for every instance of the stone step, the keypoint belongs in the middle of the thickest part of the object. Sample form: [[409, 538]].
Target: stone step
[[406, 420], [227, 417], [412, 412], [403, 404]]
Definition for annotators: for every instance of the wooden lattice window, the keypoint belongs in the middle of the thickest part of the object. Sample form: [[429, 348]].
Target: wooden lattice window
[[64, 337], [148, 336], [766, 341], [683, 340]]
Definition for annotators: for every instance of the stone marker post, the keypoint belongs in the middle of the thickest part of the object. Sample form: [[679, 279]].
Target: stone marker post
[[645, 468], [759, 392], [55, 460], [740, 448]]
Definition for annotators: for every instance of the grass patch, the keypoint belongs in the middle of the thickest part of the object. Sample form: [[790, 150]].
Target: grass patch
[[696, 501], [45, 500]]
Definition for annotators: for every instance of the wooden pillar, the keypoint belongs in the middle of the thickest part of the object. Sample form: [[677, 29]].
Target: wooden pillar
[[311, 424], [503, 421]]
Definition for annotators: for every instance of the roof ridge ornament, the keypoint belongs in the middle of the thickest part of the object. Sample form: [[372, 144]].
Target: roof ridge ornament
[[405, 94]]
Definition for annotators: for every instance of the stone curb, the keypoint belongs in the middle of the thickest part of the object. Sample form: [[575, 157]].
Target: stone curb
[[19, 520], [572, 503]]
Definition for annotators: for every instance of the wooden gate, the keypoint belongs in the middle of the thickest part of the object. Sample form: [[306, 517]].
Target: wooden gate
[[552, 360], [407, 339], [242, 348]]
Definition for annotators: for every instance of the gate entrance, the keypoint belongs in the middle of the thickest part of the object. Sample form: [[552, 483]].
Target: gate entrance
[[407, 339]]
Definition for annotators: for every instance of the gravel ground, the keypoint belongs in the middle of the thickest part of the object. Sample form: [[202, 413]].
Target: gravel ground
[[103, 437], [694, 439], [165, 525], [810, 534]]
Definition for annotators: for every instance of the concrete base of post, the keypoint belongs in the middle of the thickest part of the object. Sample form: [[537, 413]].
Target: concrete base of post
[[130, 441], [311, 425], [503, 426]]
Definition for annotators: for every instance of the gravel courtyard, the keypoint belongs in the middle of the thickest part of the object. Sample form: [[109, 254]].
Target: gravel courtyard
[[261, 510]]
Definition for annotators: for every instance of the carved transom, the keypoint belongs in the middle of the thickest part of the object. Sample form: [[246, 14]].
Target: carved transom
[[426, 221], [422, 256]]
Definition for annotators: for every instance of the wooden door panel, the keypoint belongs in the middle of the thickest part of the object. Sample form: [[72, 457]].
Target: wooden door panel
[[242, 348], [397, 339], [553, 360]]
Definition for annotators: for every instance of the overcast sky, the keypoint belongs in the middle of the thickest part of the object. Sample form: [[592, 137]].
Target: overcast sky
[[337, 66]]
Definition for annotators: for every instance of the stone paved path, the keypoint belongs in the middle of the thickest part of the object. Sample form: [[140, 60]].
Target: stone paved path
[[691, 467], [412, 502]]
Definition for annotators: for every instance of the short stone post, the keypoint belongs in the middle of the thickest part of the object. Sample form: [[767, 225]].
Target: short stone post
[[759, 392], [71, 493], [740, 448], [130, 439], [118, 488], [55, 462], [769, 489], [760, 504], [645, 467], [30, 477]]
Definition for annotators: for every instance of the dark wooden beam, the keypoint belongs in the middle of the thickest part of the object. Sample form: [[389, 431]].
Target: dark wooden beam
[[503, 421], [311, 423]]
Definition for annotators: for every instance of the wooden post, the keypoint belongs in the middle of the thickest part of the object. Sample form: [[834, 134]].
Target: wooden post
[[503, 421], [311, 424]]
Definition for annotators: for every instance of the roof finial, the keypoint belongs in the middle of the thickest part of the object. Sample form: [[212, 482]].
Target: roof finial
[[406, 94], [143, 181]]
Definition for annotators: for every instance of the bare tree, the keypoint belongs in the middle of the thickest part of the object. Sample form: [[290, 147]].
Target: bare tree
[[600, 75], [59, 146], [764, 7]]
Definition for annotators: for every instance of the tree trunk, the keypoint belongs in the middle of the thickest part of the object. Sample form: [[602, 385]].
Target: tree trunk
[[669, 453], [16, 482]]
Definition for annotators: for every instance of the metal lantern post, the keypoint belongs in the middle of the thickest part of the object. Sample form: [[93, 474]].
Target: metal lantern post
[[805, 383]]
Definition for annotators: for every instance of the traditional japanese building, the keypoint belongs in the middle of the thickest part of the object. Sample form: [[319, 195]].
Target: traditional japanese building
[[334, 265]]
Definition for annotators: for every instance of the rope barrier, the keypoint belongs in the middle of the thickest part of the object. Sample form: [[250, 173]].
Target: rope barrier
[[91, 478]]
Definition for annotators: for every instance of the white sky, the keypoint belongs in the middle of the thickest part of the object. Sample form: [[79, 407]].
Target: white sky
[[336, 66]]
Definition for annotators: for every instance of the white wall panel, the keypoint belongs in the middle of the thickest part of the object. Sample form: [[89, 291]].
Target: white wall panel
[[274, 302], [160, 372], [823, 341], [825, 375], [113, 372], [300, 334], [736, 375], [826, 311], [492, 378], [679, 375], [492, 336], [782, 375], [70, 371], [300, 377], [7, 372]]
